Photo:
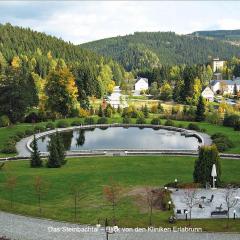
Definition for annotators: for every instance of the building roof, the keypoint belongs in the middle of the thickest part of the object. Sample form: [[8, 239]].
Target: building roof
[[227, 82], [140, 78], [207, 90]]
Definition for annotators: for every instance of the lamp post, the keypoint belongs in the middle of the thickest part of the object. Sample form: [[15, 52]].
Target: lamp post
[[234, 214], [186, 213], [176, 182], [169, 205]]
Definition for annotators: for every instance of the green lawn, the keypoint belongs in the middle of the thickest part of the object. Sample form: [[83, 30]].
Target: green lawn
[[91, 175]]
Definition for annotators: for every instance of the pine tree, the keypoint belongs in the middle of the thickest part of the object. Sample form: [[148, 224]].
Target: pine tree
[[200, 112], [145, 111], [53, 158], [100, 111], [60, 149], [35, 160], [208, 155]]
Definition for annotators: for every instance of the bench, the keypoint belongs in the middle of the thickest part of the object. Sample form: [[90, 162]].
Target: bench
[[219, 213]]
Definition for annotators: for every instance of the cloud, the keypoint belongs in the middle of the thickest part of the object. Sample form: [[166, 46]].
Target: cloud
[[87, 21]]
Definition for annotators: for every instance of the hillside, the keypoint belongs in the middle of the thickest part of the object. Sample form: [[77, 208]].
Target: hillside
[[232, 36], [149, 49]]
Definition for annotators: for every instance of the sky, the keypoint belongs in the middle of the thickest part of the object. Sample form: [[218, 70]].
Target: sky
[[84, 21]]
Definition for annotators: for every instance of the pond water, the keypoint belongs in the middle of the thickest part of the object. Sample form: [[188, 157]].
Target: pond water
[[123, 138]]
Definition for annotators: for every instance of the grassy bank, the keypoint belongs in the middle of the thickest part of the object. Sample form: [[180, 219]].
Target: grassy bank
[[91, 175]]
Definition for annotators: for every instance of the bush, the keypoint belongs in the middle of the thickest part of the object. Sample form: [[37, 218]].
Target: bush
[[140, 120], [29, 132], [180, 125], [4, 121], [38, 129], [156, 121], [169, 122], [231, 120], [237, 126], [193, 126], [32, 117], [89, 121], [126, 120], [20, 134], [222, 142], [50, 125], [102, 120], [9, 147], [62, 124], [76, 123]]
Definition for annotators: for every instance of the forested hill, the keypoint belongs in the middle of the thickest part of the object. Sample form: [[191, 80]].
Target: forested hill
[[226, 35], [16, 41], [148, 49]]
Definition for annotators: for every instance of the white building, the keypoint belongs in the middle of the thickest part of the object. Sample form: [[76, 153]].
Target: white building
[[225, 86], [208, 94], [116, 99], [217, 64], [141, 84]]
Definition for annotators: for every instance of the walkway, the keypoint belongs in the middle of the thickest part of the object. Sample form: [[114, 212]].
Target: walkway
[[27, 228]]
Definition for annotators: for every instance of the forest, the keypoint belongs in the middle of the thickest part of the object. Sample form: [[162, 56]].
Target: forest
[[151, 49]]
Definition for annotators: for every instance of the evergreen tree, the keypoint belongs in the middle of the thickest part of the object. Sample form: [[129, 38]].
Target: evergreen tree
[[100, 111], [200, 112], [60, 149], [145, 111], [35, 160], [53, 158], [208, 155]]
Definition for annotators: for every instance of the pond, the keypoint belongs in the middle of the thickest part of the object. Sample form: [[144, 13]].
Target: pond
[[123, 138]]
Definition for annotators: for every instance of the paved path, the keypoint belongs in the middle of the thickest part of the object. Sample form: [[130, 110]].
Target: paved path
[[26, 228]]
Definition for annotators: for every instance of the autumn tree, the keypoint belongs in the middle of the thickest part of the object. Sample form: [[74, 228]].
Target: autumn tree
[[10, 185], [61, 91], [166, 91], [112, 194], [40, 187]]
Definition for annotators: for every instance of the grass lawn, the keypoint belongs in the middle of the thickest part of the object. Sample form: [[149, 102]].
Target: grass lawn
[[91, 175]]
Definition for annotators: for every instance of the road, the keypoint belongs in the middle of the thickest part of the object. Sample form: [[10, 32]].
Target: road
[[27, 228]]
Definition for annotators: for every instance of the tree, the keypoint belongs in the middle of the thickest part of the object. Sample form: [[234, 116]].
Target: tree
[[200, 112], [61, 92], [154, 90], [112, 195], [145, 111], [35, 160], [60, 149], [53, 159], [190, 199], [235, 91], [197, 88], [208, 155], [150, 201], [11, 183], [230, 200], [166, 91], [40, 188]]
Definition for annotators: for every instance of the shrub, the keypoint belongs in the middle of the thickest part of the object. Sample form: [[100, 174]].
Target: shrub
[[38, 129], [89, 121], [102, 120], [237, 126], [20, 134], [9, 147], [126, 120], [32, 117], [156, 121], [222, 142], [62, 124], [140, 120], [76, 123], [193, 126], [180, 125], [4, 121], [213, 118], [169, 122], [29, 132], [231, 120], [50, 125]]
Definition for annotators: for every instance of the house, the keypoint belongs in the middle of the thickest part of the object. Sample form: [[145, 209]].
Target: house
[[217, 64], [116, 99], [225, 86], [208, 94], [141, 84]]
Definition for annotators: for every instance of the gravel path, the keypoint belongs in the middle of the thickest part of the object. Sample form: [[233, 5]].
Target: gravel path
[[26, 228]]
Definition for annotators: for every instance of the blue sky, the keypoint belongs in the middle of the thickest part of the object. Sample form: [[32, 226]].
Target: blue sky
[[85, 21]]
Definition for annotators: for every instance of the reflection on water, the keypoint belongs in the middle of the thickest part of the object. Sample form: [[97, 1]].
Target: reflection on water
[[123, 138]]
